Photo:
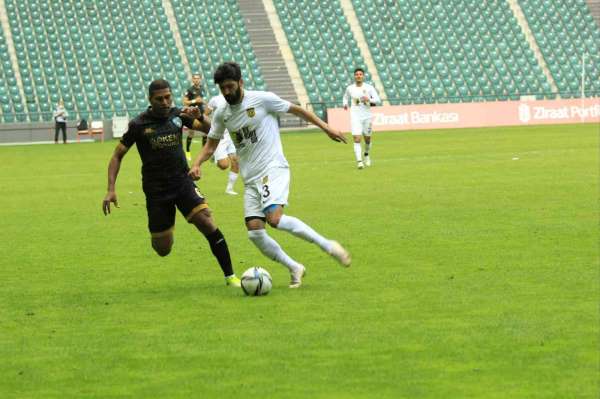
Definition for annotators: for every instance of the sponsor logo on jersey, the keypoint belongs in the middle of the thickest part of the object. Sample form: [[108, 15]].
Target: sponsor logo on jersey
[[149, 130], [251, 112]]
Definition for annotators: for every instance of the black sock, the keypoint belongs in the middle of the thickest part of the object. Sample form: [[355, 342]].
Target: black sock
[[219, 248], [188, 143]]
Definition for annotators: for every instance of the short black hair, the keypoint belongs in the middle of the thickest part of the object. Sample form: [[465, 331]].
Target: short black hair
[[359, 69], [158, 84], [227, 70]]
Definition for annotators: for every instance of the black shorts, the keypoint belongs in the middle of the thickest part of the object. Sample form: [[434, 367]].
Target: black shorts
[[161, 207]]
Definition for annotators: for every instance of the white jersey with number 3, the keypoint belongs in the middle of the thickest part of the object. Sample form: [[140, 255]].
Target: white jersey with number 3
[[353, 97], [254, 130]]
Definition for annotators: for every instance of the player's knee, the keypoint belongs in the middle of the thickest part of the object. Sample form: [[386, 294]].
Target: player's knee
[[223, 164], [204, 222], [161, 250], [162, 245], [205, 216], [273, 220]]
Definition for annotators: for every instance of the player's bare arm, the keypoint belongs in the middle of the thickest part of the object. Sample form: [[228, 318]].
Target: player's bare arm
[[207, 152], [310, 117], [114, 166]]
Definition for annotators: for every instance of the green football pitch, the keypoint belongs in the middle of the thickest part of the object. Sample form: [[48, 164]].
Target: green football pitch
[[475, 275]]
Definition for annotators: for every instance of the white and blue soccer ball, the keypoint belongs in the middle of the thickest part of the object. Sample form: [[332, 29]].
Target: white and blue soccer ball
[[256, 281]]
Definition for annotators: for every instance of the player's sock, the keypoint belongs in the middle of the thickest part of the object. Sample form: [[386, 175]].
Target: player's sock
[[271, 249], [188, 143], [357, 151], [300, 229], [219, 248], [367, 149], [231, 181]]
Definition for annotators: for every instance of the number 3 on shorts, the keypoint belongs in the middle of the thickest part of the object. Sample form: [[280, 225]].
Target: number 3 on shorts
[[266, 192]]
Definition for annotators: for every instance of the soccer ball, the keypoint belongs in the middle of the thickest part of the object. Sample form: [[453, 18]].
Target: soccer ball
[[256, 281]]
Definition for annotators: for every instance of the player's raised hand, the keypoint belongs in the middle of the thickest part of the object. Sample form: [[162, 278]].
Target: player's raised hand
[[195, 172], [336, 135], [111, 196], [192, 112]]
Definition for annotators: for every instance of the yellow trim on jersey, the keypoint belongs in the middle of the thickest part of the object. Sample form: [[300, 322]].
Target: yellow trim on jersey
[[163, 233], [195, 211]]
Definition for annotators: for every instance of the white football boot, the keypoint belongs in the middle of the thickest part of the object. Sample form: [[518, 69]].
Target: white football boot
[[340, 254], [296, 280]]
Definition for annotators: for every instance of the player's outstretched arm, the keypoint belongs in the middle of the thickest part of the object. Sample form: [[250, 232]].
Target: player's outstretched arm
[[199, 121], [113, 171], [207, 152], [310, 117]]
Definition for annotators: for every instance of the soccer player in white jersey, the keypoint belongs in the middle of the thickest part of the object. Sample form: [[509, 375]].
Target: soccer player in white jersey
[[225, 155], [361, 96], [251, 118]]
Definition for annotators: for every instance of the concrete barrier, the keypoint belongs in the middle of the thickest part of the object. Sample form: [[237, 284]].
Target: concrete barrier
[[41, 132]]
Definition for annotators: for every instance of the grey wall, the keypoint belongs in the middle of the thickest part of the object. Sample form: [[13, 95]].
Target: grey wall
[[43, 132]]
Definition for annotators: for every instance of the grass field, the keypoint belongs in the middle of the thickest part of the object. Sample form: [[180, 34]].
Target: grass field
[[475, 275]]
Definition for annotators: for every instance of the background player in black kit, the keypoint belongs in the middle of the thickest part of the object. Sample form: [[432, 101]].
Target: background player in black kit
[[193, 97], [157, 133]]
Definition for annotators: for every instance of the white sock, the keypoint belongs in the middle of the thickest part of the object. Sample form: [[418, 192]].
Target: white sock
[[231, 180], [367, 149], [271, 249], [300, 229], [357, 151]]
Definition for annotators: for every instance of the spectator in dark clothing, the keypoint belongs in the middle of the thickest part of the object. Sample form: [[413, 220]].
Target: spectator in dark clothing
[[60, 122]]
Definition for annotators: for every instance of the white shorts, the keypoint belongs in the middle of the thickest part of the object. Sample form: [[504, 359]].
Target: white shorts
[[271, 189], [361, 126], [224, 148]]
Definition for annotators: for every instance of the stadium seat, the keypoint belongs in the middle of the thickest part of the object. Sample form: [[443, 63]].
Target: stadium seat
[[216, 19], [565, 33], [453, 41], [321, 40]]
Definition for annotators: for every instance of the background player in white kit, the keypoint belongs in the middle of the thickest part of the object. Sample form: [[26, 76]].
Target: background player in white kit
[[251, 118], [225, 154], [361, 96]]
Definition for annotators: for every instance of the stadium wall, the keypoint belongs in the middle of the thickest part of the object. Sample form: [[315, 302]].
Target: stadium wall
[[42, 132], [465, 115]]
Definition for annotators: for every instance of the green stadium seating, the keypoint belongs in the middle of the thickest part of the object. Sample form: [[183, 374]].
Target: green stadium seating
[[10, 98], [323, 45], [455, 50], [213, 32], [565, 31], [99, 55], [102, 47]]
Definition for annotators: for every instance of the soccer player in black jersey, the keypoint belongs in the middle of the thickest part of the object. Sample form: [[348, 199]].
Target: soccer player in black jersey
[[193, 97], [165, 181]]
